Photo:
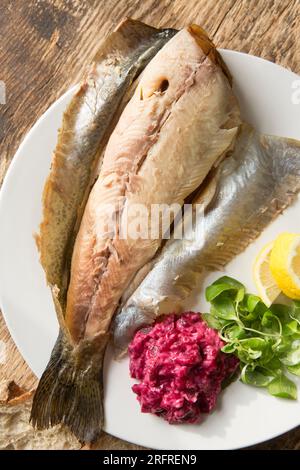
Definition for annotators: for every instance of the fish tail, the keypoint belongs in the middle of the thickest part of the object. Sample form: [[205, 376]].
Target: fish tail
[[70, 390]]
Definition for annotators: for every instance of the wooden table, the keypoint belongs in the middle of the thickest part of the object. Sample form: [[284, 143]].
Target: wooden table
[[44, 45]]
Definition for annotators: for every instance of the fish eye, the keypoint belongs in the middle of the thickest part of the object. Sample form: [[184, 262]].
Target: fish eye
[[159, 86], [164, 86]]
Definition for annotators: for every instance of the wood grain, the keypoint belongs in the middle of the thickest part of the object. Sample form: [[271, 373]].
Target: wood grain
[[44, 45]]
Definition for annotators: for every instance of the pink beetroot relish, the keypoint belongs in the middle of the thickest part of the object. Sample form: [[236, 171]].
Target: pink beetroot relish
[[180, 368]]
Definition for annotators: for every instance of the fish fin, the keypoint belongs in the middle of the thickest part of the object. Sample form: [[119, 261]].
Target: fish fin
[[70, 390]]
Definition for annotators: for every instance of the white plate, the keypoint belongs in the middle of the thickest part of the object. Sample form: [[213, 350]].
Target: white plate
[[245, 415]]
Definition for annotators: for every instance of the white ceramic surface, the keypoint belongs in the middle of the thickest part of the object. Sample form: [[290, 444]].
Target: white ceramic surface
[[245, 415]]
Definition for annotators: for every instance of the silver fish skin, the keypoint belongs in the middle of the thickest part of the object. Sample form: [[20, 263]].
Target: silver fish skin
[[249, 189]]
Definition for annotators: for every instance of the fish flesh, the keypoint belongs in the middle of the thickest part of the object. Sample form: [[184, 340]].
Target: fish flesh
[[86, 125], [182, 118], [248, 190]]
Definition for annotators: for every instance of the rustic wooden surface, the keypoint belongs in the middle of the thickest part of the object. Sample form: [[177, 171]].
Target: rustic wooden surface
[[44, 45]]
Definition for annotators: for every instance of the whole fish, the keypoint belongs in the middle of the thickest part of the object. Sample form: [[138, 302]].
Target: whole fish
[[249, 189], [182, 118], [85, 129], [86, 126]]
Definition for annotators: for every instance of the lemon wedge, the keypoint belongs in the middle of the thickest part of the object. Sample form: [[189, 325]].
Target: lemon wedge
[[285, 264], [265, 282]]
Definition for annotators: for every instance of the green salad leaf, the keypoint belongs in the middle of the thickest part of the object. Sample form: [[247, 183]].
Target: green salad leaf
[[294, 369], [257, 377], [265, 339], [292, 356], [223, 284], [283, 387]]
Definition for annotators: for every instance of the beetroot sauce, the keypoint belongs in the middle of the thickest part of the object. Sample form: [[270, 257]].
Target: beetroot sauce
[[180, 368]]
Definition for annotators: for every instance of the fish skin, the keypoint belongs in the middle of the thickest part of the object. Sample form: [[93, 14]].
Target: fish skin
[[163, 146], [70, 389], [249, 190], [86, 124]]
